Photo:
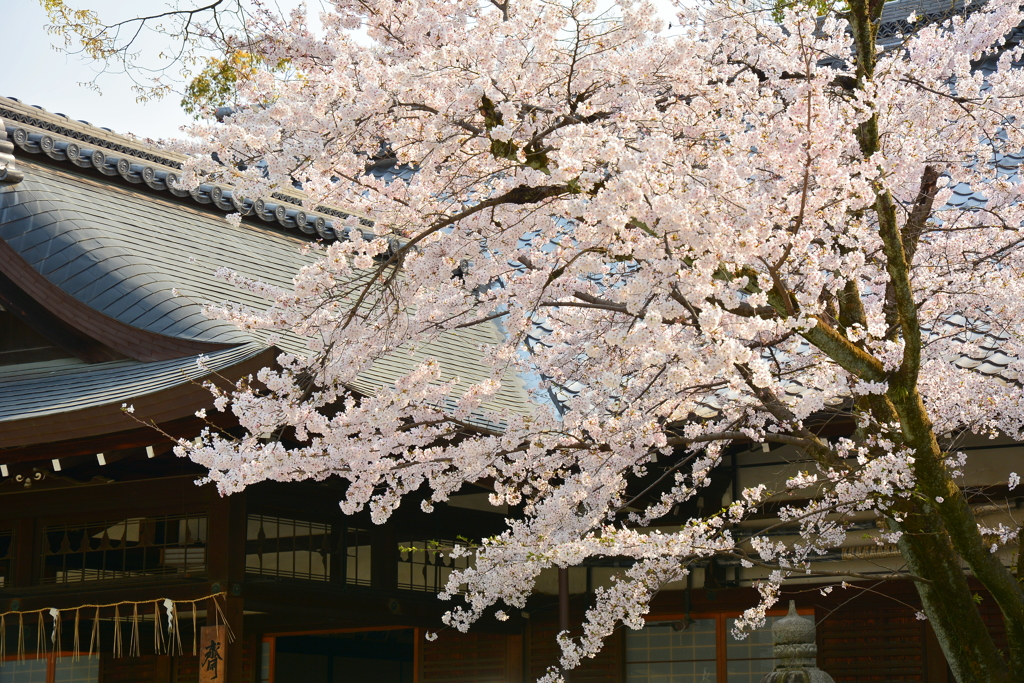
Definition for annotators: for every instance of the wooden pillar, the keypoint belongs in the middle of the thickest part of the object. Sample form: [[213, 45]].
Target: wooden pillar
[[225, 548], [563, 598], [514, 659], [417, 655]]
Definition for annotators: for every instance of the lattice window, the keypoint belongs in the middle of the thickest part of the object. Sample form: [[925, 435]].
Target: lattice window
[[689, 651], [122, 549], [50, 668], [298, 549], [81, 670], [355, 544], [662, 652], [28, 671], [424, 566]]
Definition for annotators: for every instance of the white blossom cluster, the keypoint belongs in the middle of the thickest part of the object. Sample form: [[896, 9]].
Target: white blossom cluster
[[693, 221]]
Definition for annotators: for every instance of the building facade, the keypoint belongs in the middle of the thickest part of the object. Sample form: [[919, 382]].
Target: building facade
[[115, 565]]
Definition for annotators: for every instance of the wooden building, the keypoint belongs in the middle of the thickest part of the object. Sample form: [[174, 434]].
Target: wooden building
[[113, 559], [104, 267]]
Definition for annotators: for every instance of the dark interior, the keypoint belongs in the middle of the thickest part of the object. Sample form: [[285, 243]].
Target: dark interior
[[363, 657]]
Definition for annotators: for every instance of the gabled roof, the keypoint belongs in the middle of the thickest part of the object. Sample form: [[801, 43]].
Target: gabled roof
[[100, 255]]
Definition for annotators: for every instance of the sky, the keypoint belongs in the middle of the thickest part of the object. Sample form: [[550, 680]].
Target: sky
[[38, 75]]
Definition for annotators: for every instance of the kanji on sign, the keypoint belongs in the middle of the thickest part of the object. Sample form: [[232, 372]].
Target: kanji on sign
[[212, 651]]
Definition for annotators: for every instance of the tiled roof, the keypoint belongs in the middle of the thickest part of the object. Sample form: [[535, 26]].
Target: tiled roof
[[121, 250], [893, 24], [52, 389], [893, 21], [37, 131]]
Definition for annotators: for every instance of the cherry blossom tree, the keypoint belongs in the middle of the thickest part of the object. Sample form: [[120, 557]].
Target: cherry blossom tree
[[690, 238]]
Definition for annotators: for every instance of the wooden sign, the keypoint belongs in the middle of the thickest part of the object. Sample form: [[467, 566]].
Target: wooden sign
[[213, 645]]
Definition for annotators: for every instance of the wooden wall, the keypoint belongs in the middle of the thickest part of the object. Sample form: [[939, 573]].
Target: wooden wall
[[880, 640], [876, 642], [154, 668], [606, 667], [168, 669], [471, 658]]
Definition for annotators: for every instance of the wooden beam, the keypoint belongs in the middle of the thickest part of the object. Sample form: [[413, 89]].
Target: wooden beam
[[37, 598], [135, 437], [316, 606], [116, 500], [384, 558]]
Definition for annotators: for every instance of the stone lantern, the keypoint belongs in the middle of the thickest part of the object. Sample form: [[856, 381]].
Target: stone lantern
[[795, 651]]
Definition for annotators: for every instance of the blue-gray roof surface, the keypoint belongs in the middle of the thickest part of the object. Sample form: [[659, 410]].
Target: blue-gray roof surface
[[53, 388], [123, 253]]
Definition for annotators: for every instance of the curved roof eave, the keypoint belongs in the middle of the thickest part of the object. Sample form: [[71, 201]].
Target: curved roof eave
[[88, 399]]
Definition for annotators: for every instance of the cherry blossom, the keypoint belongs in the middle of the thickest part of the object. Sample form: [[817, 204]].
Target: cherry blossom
[[692, 238]]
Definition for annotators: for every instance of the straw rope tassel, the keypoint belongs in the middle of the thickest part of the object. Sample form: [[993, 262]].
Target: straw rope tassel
[[40, 636], [118, 645], [221, 617], [135, 645], [158, 633], [21, 637], [77, 653], [169, 613], [173, 629], [94, 637], [161, 644]]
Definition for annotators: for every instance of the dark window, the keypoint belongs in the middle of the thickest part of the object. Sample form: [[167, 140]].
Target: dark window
[[299, 549], [6, 555], [50, 668], [426, 565], [128, 548], [20, 344]]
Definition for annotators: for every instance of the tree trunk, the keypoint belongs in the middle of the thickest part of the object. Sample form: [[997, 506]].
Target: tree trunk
[[948, 602], [940, 532]]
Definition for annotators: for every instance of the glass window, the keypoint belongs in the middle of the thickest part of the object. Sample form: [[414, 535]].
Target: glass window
[[424, 566], [6, 555], [80, 670], [386, 656], [28, 671], [121, 549], [671, 653], [299, 549]]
